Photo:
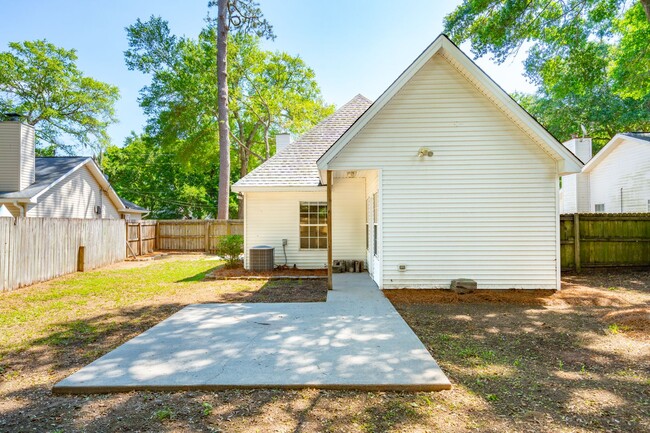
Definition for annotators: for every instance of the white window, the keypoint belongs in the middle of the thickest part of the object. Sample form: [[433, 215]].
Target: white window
[[313, 225], [600, 207]]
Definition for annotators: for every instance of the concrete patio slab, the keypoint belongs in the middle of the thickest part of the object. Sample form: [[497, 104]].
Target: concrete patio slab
[[355, 340]]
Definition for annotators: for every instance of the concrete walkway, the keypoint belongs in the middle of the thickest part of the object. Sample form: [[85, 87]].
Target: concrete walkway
[[355, 340]]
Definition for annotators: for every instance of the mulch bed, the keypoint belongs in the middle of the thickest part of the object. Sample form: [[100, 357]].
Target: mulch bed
[[279, 273]]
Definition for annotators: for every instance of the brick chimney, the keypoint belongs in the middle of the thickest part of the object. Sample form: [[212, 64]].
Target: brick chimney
[[17, 158]]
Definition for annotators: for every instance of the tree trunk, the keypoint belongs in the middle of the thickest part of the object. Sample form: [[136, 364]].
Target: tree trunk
[[244, 157], [224, 128], [646, 8], [267, 146]]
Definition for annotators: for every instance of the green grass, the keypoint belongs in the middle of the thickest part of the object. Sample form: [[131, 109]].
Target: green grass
[[58, 311]]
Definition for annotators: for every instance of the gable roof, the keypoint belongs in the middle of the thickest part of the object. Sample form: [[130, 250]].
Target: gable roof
[[48, 171], [295, 166], [569, 163], [638, 135], [617, 140], [131, 207]]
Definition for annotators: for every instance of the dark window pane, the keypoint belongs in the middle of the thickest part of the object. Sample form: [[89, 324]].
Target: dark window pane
[[304, 231], [322, 242], [374, 239], [304, 208]]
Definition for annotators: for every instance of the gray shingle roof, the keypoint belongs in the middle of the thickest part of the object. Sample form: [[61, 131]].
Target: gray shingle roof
[[295, 165], [640, 135], [130, 205], [48, 170]]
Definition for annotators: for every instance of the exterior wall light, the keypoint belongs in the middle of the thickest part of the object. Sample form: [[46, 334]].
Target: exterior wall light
[[425, 152]]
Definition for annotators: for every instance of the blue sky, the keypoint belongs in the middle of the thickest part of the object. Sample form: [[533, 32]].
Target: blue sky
[[355, 46]]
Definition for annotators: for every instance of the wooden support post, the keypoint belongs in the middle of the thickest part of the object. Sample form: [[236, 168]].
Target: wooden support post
[[329, 229], [207, 236], [81, 258], [576, 242]]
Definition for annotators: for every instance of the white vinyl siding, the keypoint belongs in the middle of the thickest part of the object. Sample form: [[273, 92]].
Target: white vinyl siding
[[75, 197], [273, 216], [626, 167], [16, 156], [483, 207]]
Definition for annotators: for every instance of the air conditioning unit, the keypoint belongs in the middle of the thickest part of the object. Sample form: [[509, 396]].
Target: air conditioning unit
[[261, 258]]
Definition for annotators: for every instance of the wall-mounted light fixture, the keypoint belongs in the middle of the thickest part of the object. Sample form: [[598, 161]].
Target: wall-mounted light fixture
[[425, 152]]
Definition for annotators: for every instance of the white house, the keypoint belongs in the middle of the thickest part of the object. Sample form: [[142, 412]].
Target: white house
[[443, 177], [616, 180], [57, 187]]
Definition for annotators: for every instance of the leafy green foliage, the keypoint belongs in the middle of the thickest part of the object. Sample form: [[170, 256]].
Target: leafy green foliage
[[590, 59], [144, 172], [175, 164], [42, 82], [231, 247]]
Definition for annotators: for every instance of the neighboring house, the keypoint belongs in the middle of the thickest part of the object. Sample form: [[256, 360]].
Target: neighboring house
[[616, 180], [443, 177], [57, 187]]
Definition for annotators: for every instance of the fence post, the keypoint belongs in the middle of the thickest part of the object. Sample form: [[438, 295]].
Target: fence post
[[81, 258], [207, 236], [139, 238], [156, 242], [576, 242]]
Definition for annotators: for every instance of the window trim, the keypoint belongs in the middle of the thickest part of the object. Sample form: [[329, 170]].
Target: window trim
[[300, 225]]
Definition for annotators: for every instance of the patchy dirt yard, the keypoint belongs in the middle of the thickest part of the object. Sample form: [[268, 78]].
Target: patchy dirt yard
[[575, 361]]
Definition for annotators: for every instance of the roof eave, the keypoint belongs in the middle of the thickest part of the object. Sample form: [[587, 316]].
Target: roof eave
[[568, 162], [277, 188], [608, 148]]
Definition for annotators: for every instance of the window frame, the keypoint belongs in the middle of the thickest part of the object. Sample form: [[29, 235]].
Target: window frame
[[596, 208], [321, 223]]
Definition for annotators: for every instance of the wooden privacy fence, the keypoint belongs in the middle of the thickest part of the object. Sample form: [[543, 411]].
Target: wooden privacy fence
[[38, 249], [600, 240], [195, 235], [140, 237]]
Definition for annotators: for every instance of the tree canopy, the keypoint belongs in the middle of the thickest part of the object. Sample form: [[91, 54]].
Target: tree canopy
[[43, 83], [590, 59], [269, 92]]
